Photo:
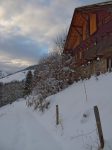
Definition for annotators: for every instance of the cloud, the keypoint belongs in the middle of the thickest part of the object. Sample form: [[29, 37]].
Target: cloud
[[19, 51], [28, 27]]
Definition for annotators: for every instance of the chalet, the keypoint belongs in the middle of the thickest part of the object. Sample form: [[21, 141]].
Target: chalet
[[89, 38]]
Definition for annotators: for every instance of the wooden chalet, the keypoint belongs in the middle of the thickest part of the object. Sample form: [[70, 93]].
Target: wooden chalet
[[90, 35]]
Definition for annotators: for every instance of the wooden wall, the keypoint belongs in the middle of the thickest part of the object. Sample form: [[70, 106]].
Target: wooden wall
[[86, 24]]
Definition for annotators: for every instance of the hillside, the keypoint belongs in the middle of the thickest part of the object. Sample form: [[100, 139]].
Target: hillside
[[23, 128], [18, 76]]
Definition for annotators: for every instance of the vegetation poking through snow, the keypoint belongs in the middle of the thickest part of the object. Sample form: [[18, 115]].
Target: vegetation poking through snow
[[38, 102], [52, 75]]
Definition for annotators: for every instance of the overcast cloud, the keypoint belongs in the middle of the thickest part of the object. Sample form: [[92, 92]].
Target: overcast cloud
[[28, 28]]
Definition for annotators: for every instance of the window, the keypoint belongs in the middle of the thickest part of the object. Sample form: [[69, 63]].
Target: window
[[93, 26]]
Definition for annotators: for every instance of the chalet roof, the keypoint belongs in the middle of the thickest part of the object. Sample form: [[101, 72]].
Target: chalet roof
[[94, 6]]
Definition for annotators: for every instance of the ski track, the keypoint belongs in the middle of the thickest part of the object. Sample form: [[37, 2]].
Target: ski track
[[24, 131]]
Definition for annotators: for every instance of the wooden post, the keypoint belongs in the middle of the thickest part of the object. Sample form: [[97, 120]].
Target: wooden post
[[99, 127], [57, 115]]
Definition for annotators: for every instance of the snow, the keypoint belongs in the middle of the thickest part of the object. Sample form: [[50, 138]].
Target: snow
[[19, 76], [19, 129], [23, 128], [3, 74]]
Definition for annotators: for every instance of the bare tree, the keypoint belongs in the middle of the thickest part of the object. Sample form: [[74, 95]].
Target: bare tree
[[59, 42]]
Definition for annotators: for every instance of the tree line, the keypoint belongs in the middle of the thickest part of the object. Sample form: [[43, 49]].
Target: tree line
[[9, 92]]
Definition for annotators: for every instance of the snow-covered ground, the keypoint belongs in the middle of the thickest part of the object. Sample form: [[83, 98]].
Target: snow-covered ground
[[20, 130], [24, 128], [19, 76]]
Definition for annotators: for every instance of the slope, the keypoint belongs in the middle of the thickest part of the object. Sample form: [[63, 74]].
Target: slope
[[24, 128], [75, 130]]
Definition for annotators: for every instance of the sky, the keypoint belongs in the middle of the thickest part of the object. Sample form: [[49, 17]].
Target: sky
[[28, 29]]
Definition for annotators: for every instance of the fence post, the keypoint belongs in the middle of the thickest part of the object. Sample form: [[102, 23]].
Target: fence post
[[99, 127], [57, 115]]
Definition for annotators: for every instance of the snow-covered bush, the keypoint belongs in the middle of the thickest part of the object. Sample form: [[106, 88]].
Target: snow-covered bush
[[55, 73], [52, 75], [38, 102]]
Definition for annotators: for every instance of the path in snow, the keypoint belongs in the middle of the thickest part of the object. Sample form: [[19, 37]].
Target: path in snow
[[19, 130]]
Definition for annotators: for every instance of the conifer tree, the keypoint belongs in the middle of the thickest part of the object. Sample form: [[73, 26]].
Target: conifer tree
[[28, 83]]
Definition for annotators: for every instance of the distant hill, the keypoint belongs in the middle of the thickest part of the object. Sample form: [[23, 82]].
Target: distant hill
[[31, 67], [17, 76]]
